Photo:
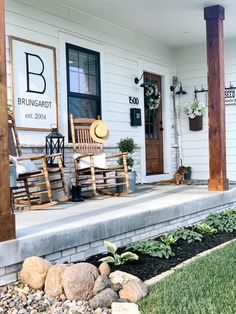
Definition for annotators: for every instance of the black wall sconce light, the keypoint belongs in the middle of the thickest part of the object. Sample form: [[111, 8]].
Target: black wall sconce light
[[144, 84], [176, 83], [137, 80]]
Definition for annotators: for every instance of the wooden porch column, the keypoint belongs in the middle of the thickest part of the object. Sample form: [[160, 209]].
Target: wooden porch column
[[214, 17], [7, 218]]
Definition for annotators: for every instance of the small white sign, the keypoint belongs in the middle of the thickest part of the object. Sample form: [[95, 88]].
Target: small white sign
[[34, 85], [230, 96]]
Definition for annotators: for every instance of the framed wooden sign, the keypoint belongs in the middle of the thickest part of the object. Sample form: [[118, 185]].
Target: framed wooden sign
[[34, 85]]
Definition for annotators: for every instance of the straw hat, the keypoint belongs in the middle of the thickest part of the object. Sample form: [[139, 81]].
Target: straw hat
[[99, 131]]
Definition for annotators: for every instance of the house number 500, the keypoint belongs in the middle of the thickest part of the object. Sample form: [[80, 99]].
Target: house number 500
[[133, 100]]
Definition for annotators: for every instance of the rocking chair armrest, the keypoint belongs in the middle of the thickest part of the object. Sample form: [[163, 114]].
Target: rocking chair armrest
[[32, 157], [117, 155], [54, 155], [82, 156]]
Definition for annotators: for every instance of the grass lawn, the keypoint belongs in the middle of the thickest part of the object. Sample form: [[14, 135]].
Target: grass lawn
[[207, 286]]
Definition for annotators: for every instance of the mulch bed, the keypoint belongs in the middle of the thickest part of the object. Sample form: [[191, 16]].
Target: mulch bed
[[147, 267]]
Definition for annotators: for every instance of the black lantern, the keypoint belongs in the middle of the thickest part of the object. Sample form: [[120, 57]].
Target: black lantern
[[54, 145]]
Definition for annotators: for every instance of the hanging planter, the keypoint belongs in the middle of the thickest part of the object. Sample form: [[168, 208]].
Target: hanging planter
[[195, 112], [195, 124]]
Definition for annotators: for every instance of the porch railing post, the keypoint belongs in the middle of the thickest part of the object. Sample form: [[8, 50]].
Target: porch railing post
[[214, 17], [7, 218]]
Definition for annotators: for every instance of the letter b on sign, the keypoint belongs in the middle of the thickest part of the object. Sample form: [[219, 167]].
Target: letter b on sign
[[36, 82]]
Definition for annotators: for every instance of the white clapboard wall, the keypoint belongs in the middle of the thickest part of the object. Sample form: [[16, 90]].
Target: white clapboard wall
[[191, 66]]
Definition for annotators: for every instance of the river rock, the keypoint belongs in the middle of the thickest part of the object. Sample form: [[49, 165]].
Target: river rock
[[53, 282], [104, 298], [104, 269], [34, 271], [119, 278], [134, 291], [78, 281], [124, 308], [101, 283]]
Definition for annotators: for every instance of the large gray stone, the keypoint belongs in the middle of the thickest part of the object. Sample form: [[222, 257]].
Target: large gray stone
[[104, 298], [101, 283], [78, 281]]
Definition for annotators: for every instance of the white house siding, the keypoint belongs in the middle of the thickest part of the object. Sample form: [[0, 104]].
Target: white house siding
[[191, 66], [124, 55]]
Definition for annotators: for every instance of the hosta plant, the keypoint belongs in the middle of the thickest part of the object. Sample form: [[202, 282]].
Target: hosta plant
[[153, 248], [117, 259], [168, 239], [187, 235], [205, 228], [225, 221]]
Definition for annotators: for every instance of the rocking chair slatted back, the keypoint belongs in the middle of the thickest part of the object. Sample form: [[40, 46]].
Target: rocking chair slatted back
[[82, 141], [32, 184], [95, 178]]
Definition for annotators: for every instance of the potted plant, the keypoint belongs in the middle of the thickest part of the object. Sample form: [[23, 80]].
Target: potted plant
[[195, 111], [127, 145], [187, 175]]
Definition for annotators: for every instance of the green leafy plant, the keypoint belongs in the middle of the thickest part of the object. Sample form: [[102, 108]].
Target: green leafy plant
[[231, 211], [224, 221], [117, 259], [168, 239], [152, 248], [127, 145], [205, 228], [187, 235]]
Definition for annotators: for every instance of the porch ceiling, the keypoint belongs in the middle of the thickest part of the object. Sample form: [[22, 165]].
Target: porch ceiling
[[176, 23]]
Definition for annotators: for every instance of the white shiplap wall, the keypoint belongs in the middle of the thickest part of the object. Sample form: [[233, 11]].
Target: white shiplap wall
[[191, 67], [122, 53]]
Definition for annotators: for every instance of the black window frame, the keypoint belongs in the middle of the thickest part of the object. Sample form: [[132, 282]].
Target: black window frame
[[97, 98]]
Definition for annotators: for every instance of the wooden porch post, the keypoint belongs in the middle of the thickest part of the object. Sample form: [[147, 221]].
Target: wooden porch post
[[7, 218], [214, 17]]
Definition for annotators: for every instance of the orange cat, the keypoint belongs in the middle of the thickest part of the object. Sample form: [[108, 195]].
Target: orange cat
[[178, 177]]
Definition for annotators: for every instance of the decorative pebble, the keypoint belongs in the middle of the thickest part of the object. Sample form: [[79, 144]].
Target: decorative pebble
[[18, 298]]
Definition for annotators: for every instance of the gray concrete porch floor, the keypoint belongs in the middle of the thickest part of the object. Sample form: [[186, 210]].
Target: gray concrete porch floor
[[72, 225], [147, 198], [102, 208]]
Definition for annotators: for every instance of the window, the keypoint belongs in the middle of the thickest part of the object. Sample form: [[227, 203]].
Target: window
[[83, 82]]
